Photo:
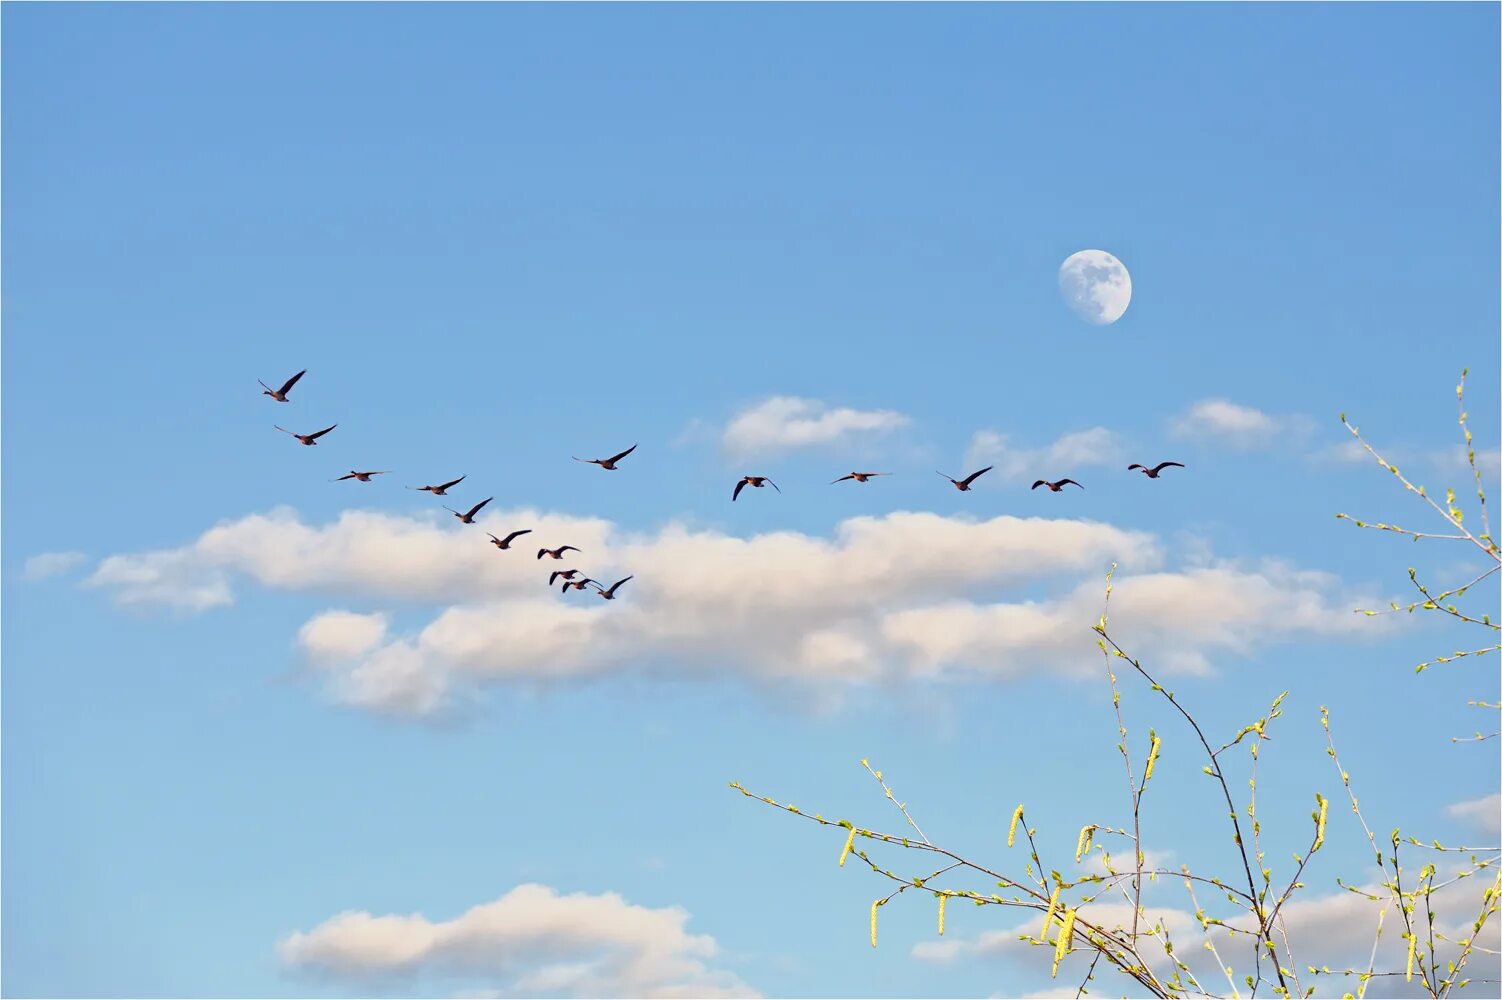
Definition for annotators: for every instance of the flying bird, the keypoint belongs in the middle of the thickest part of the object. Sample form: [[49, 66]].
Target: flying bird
[[469, 518], [1156, 470], [860, 477], [438, 491], [505, 543], [364, 477], [606, 463], [555, 553], [963, 485], [308, 439], [567, 574], [755, 481], [1055, 487], [609, 595], [280, 395], [576, 584]]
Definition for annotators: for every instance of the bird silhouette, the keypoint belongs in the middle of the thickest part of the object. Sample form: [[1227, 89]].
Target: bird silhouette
[[859, 477], [363, 477], [567, 574], [757, 482], [1156, 470], [556, 553], [609, 595], [280, 395], [576, 584], [469, 518], [307, 439], [606, 463], [963, 485], [438, 491], [1055, 487], [505, 543]]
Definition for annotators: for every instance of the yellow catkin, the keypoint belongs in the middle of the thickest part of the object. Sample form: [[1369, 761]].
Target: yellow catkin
[[1152, 757], [1012, 830], [943, 898], [1065, 934], [873, 922], [1053, 904], [1084, 842], [1319, 824], [1413, 941], [849, 843]]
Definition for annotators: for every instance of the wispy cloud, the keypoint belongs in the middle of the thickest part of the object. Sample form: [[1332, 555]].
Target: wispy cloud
[[1485, 813], [1069, 453], [890, 596], [46, 564], [784, 423], [533, 941], [1235, 425]]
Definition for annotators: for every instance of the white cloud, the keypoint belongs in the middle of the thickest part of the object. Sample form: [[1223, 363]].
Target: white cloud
[[782, 423], [1485, 813], [1080, 449], [533, 941], [902, 595], [1236, 426], [46, 564]]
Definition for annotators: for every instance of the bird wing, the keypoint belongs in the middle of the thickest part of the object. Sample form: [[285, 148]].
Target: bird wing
[[617, 584], [476, 508], [616, 458], [343, 478], [1039, 483], [515, 535], [264, 385], [976, 475], [950, 478], [1134, 465], [774, 486], [314, 437], [1164, 465], [541, 553], [553, 577], [566, 548], [292, 381], [283, 429], [445, 486], [841, 479], [738, 487], [452, 511], [1065, 481]]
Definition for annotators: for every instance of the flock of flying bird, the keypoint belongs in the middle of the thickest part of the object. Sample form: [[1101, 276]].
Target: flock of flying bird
[[571, 577]]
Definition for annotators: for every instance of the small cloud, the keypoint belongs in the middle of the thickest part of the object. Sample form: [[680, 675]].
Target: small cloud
[[335, 636], [45, 564], [1484, 813], [1225, 422], [783, 423], [1095, 446]]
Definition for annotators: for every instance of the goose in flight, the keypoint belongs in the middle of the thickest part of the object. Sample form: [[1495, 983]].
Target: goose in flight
[[755, 481], [280, 395], [308, 439], [556, 553], [606, 463], [567, 574], [859, 477], [363, 477], [609, 595], [963, 485], [505, 543], [469, 518], [576, 584], [438, 491], [1156, 470], [1055, 487]]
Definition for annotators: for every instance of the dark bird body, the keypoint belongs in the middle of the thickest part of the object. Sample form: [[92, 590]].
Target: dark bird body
[[756, 482], [280, 395], [1156, 470], [606, 463], [307, 439], [505, 543], [469, 517], [963, 485]]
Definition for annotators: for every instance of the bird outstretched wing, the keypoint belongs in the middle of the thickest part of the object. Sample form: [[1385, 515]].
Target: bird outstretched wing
[[292, 381], [738, 487], [616, 458]]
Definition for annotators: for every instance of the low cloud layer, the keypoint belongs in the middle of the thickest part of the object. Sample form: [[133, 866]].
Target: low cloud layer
[[532, 941], [904, 595], [784, 423], [48, 564]]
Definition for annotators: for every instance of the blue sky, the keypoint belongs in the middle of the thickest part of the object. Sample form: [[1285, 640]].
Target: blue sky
[[499, 236]]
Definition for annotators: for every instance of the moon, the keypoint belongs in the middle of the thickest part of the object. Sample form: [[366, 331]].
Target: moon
[[1096, 286]]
